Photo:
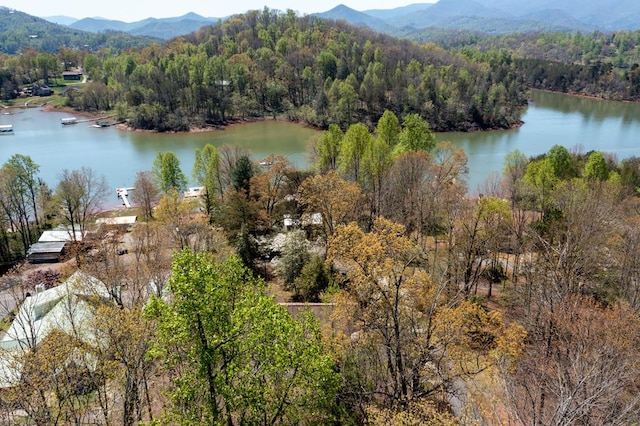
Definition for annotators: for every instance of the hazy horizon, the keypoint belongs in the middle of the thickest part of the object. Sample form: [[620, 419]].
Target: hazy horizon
[[128, 11]]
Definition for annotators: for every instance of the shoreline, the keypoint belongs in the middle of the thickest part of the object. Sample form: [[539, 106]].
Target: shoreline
[[584, 96], [46, 107], [220, 127]]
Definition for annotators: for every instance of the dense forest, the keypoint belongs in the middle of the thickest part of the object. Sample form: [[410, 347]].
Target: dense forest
[[269, 63], [420, 305], [273, 64], [602, 65]]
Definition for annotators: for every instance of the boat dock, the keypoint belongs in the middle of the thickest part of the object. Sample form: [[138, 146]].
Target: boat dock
[[97, 121], [123, 193], [68, 120]]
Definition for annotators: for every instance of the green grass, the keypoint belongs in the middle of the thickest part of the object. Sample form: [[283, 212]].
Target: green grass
[[54, 100]]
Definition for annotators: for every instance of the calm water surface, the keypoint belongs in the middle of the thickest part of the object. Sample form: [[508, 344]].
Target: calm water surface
[[119, 154], [576, 123], [550, 119]]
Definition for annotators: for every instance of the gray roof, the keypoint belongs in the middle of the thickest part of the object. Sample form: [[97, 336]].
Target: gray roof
[[46, 247]]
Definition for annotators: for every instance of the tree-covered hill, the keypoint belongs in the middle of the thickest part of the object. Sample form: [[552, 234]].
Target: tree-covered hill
[[20, 31], [304, 68], [598, 64]]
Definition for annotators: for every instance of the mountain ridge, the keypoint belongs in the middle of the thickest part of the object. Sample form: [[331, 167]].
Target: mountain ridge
[[486, 16]]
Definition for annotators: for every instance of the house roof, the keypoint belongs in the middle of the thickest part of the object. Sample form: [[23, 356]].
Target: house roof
[[65, 307], [46, 247]]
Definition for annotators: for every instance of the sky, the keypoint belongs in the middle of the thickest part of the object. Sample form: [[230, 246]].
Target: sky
[[136, 10]]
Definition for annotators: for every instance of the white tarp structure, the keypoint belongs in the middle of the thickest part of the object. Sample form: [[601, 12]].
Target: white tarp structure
[[59, 235], [114, 221]]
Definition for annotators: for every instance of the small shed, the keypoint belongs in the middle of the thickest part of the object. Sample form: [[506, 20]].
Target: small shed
[[49, 251]]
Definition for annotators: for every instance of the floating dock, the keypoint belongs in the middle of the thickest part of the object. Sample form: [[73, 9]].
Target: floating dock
[[68, 120], [123, 193]]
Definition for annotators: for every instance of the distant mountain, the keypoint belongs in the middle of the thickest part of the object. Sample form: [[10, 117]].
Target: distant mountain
[[497, 16], [361, 19], [97, 25], [388, 14], [60, 20], [607, 15], [163, 28], [559, 19], [167, 29], [420, 21], [443, 12], [20, 31]]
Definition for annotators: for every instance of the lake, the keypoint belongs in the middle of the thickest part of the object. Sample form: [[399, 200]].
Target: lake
[[120, 154], [551, 119]]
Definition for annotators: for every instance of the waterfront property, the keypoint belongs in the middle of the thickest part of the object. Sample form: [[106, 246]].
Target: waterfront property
[[51, 244], [194, 192], [118, 223]]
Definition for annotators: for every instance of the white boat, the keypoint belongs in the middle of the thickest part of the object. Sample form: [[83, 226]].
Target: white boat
[[68, 120], [6, 128], [101, 123]]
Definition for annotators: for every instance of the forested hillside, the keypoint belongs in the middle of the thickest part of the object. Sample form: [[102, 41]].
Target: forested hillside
[[599, 64], [272, 64]]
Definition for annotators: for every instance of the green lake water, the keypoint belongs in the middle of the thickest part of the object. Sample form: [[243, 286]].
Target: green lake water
[[550, 119]]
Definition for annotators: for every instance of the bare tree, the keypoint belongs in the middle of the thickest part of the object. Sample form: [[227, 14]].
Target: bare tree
[[80, 194], [229, 156], [146, 193], [579, 369]]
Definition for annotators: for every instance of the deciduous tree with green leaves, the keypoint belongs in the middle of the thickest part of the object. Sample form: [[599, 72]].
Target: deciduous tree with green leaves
[[354, 145], [416, 134], [327, 148], [234, 355], [206, 172], [596, 168], [388, 128], [167, 171]]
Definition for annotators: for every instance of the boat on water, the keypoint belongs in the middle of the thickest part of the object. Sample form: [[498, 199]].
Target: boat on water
[[101, 123], [68, 120], [6, 129]]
